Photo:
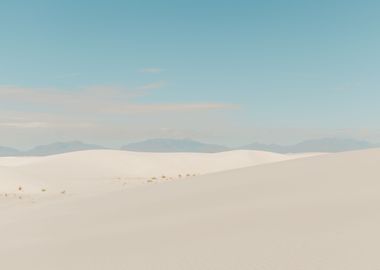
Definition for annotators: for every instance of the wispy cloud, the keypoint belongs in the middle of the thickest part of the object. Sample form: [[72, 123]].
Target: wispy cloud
[[151, 86], [67, 76], [104, 113], [152, 70], [24, 124], [175, 107], [97, 100]]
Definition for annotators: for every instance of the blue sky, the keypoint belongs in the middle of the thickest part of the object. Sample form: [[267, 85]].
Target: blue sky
[[230, 72]]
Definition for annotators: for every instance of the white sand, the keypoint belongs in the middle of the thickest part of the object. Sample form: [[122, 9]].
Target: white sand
[[100, 170], [312, 213]]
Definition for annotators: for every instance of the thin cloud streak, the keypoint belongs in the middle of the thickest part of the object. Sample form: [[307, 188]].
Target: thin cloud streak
[[102, 99], [24, 124], [151, 108], [152, 70], [151, 86]]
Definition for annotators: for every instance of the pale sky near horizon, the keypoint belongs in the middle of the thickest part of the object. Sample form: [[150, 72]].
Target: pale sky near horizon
[[231, 72]]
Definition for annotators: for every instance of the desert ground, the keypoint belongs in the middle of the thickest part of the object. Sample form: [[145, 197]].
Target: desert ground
[[104, 209]]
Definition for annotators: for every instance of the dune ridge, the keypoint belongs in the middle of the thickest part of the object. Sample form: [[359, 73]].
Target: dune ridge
[[309, 213], [92, 170]]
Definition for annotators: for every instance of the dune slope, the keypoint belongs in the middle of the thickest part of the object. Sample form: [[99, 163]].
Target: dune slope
[[99, 170], [315, 213]]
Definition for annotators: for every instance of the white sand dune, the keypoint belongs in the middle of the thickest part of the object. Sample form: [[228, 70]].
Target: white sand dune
[[313, 213], [92, 170]]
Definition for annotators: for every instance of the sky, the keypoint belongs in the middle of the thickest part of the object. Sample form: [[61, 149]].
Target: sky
[[230, 72]]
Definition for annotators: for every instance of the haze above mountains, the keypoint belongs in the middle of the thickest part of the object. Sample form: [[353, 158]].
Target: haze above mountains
[[186, 145]]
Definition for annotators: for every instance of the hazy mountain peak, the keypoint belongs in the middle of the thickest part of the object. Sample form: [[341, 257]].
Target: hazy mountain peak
[[174, 145], [315, 145], [61, 147], [188, 145], [8, 151]]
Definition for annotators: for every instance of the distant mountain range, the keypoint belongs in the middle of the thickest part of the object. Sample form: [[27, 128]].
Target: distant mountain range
[[174, 145], [50, 149], [7, 151], [61, 147], [185, 145], [318, 145]]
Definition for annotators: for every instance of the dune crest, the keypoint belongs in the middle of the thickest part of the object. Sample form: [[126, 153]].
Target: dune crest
[[313, 213], [100, 170]]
